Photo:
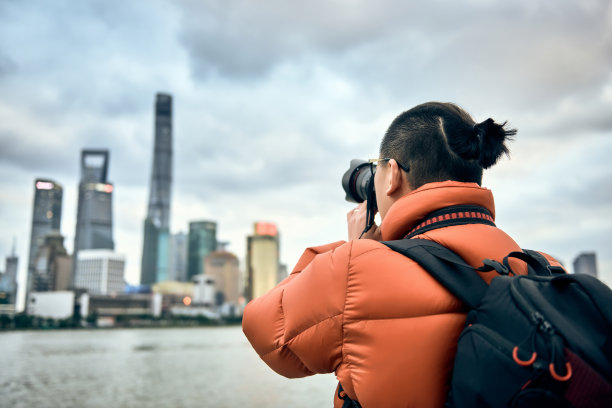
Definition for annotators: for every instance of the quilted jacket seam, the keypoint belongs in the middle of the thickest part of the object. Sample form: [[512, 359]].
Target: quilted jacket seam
[[345, 357]]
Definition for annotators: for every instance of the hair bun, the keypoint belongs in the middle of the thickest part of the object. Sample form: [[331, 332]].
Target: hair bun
[[492, 137]]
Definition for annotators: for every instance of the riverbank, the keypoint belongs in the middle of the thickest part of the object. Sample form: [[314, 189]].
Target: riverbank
[[22, 321]]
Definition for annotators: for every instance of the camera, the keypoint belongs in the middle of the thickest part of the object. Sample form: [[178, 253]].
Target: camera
[[358, 182]]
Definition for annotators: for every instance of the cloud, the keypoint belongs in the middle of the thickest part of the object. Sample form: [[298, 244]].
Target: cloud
[[272, 99], [541, 46]]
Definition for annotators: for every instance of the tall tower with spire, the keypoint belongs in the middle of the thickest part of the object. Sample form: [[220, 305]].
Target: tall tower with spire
[[155, 260]]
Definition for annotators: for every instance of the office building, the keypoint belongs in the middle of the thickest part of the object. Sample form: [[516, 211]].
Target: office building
[[223, 267], [52, 266], [46, 216], [8, 280], [262, 260], [586, 263], [100, 271], [94, 226], [155, 251], [178, 257], [201, 242], [203, 290]]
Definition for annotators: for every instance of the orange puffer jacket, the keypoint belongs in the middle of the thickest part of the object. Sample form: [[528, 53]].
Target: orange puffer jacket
[[375, 317]]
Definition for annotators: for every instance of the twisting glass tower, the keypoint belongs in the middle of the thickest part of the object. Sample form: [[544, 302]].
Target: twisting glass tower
[[155, 260]]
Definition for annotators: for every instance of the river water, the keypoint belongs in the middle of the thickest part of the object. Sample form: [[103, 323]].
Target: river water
[[178, 367]]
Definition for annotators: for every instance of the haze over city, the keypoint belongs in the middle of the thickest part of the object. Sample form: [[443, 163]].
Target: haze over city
[[272, 100]]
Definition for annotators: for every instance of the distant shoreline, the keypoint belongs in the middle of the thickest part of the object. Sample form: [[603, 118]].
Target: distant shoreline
[[44, 329], [28, 323]]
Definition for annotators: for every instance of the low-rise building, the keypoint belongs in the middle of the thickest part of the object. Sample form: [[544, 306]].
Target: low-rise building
[[100, 271]]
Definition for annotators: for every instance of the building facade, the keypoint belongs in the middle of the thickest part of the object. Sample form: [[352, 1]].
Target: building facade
[[100, 272], [586, 263], [52, 266], [46, 217], [178, 257], [223, 266], [155, 252], [202, 241], [8, 280], [94, 227], [262, 260]]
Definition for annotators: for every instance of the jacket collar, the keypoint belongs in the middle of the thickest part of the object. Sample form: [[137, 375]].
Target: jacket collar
[[406, 212]]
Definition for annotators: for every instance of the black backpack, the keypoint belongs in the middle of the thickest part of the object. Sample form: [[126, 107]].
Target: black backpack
[[537, 340]]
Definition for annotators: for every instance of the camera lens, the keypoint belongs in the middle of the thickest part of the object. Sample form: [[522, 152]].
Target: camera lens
[[356, 181]]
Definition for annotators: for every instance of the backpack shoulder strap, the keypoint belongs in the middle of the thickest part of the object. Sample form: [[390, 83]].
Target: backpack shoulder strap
[[548, 268], [445, 266]]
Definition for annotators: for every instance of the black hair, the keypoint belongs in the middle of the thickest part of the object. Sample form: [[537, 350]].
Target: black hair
[[440, 141]]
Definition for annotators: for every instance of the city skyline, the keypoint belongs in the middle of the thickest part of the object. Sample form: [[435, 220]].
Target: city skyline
[[265, 129]]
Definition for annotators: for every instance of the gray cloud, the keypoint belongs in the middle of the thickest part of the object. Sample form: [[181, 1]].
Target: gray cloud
[[272, 99]]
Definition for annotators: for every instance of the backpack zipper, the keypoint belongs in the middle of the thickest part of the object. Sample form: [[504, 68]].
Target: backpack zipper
[[554, 340], [535, 316]]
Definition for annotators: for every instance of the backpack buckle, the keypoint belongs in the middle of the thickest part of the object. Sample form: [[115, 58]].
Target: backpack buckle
[[555, 270], [490, 265]]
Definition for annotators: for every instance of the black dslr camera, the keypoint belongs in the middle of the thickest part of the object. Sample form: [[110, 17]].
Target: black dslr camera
[[358, 184]]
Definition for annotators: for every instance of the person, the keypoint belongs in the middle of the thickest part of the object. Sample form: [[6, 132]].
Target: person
[[371, 315]]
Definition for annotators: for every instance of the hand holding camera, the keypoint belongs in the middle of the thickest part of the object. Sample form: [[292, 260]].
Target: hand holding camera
[[356, 220], [358, 183]]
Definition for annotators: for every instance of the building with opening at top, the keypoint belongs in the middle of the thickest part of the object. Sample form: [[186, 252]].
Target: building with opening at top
[[94, 226]]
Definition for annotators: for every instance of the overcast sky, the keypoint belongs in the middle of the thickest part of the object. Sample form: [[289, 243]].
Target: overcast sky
[[273, 98]]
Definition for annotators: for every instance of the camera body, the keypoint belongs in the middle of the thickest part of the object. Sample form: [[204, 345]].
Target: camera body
[[358, 183]]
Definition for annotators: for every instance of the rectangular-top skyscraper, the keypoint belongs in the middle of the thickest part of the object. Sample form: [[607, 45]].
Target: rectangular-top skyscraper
[[157, 224], [46, 216], [586, 263]]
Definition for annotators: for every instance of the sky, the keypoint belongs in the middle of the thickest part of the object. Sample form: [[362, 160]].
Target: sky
[[272, 99]]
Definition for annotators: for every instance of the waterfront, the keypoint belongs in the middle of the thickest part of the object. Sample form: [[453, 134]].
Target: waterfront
[[179, 367]]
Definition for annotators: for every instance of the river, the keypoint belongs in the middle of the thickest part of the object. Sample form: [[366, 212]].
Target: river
[[178, 367]]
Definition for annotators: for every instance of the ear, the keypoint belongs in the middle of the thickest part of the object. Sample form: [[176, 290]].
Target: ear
[[395, 179]]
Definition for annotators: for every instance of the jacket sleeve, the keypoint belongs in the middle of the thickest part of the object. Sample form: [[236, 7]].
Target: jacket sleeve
[[296, 328]]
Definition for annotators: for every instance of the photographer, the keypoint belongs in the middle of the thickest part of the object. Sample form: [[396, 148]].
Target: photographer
[[371, 315]]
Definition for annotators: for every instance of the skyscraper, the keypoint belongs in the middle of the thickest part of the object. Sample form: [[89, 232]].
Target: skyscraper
[[586, 263], [8, 280], [155, 256], [94, 227], [202, 241], [262, 260], [46, 216], [178, 257]]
